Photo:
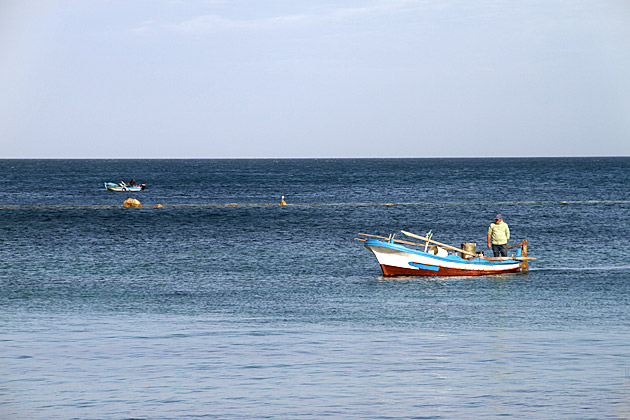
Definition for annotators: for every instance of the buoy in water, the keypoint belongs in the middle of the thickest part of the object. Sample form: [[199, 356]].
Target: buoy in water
[[132, 202], [282, 202]]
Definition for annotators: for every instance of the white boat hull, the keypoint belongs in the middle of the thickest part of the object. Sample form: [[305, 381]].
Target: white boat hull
[[398, 260]]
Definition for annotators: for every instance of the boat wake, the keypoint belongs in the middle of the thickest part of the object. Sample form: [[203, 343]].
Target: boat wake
[[593, 268]]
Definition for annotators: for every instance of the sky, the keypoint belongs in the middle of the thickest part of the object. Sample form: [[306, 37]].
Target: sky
[[314, 79]]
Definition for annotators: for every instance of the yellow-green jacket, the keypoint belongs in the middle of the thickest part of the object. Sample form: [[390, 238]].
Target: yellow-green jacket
[[499, 233]]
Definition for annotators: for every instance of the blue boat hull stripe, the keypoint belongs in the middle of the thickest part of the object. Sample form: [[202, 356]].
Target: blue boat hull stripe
[[424, 266]]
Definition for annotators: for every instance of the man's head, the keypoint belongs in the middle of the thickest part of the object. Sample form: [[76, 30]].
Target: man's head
[[498, 218]]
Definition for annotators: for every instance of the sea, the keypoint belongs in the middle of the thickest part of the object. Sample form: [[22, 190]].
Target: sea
[[222, 304]]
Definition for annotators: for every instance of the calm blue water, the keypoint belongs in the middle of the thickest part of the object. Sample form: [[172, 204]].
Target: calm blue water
[[198, 310]]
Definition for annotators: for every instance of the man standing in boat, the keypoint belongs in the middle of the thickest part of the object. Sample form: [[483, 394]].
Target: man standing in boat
[[498, 236]]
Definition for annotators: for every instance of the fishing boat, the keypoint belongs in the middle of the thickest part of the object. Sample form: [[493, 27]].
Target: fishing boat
[[396, 258], [123, 186]]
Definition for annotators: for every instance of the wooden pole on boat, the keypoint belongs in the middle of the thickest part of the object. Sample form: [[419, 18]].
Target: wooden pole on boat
[[525, 258], [452, 248], [517, 245]]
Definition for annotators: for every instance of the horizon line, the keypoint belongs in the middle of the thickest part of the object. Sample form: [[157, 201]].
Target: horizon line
[[313, 158]]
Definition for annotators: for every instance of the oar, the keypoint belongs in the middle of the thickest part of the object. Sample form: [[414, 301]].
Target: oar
[[452, 248]]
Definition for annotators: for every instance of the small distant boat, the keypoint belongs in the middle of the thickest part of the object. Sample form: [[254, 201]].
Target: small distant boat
[[123, 186], [399, 260]]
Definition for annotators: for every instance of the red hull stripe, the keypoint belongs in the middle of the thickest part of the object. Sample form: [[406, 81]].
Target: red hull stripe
[[390, 271]]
